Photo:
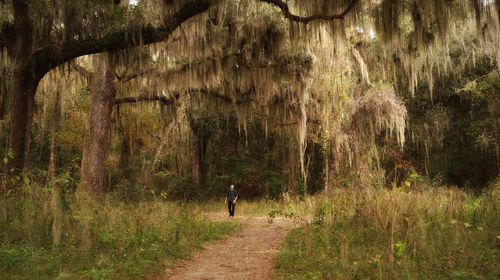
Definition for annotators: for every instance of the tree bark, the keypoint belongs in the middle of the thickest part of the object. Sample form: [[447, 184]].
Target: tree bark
[[97, 137]]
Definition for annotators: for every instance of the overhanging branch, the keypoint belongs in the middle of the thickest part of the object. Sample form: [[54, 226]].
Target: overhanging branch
[[286, 12], [49, 57], [165, 100]]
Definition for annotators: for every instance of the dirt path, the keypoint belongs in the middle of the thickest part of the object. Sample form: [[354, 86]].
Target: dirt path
[[247, 254]]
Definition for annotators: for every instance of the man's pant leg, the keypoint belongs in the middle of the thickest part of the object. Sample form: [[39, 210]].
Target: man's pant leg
[[230, 208]]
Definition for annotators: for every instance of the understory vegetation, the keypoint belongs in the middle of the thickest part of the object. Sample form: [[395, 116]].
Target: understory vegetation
[[404, 233], [46, 235]]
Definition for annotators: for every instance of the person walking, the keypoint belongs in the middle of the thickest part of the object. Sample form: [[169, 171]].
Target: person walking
[[231, 198]]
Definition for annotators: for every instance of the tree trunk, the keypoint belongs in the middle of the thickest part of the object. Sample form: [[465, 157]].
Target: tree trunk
[[54, 124], [96, 144], [52, 160], [29, 126], [292, 176], [199, 142], [21, 94], [497, 3], [197, 159], [125, 151]]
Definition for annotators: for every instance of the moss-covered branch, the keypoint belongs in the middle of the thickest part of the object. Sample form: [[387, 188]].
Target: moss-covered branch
[[286, 12], [49, 57]]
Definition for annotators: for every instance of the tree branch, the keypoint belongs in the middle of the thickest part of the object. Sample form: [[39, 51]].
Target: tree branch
[[49, 57], [286, 12], [148, 98], [176, 94]]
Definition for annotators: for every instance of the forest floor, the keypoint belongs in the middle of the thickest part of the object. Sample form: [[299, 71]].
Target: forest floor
[[248, 253]]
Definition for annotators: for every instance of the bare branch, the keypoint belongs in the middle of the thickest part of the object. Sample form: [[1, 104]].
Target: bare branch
[[286, 12], [147, 98], [165, 100]]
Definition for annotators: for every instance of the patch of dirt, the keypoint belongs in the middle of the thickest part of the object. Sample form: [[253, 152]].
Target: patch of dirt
[[247, 254]]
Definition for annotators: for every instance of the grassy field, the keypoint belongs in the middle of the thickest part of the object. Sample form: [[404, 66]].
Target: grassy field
[[437, 233], [44, 238]]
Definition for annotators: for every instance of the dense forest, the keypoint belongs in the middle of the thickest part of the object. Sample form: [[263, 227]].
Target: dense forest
[[362, 138]]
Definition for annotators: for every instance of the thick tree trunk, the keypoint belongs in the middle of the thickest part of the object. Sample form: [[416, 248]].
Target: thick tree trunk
[[21, 97], [199, 143], [96, 145]]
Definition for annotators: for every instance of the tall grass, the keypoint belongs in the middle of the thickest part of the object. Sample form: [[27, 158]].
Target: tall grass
[[436, 233], [289, 206], [45, 235]]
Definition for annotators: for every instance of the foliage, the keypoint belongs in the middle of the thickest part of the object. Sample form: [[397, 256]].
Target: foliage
[[457, 137]]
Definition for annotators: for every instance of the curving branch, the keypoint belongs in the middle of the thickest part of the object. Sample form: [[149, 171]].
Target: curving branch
[[49, 57], [286, 12]]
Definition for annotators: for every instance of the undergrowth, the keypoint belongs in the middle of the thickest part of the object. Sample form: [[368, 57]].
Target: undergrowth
[[44, 235], [436, 233]]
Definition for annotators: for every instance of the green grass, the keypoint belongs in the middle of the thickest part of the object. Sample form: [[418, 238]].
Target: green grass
[[394, 234], [106, 240]]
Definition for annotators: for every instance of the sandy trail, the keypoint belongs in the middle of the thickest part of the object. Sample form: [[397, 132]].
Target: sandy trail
[[246, 254]]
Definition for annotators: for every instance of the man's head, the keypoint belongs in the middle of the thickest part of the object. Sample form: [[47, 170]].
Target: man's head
[[231, 187]]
